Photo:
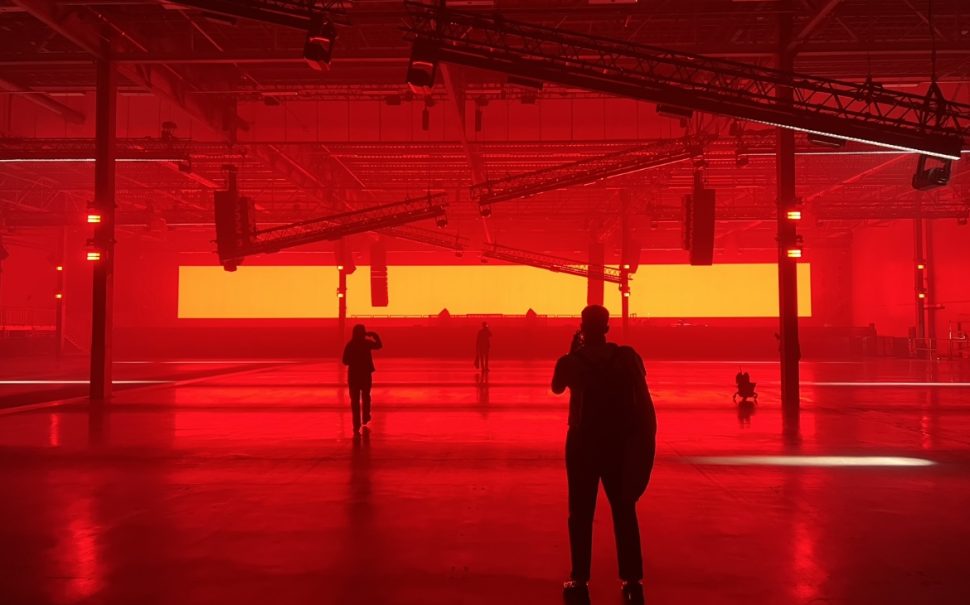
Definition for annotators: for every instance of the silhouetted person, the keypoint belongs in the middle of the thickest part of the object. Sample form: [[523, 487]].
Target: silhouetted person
[[483, 344], [611, 438], [360, 370]]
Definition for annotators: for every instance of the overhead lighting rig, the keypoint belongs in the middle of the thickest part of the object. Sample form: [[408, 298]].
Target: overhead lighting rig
[[849, 111], [931, 177], [422, 69], [237, 236], [320, 39], [556, 264], [582, 172]]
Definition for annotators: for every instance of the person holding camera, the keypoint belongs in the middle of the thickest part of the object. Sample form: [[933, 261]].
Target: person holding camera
[[611, 438], [360, 370]]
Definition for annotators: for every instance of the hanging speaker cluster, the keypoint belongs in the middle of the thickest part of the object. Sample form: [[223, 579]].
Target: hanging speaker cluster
[[699, 225], [378, 275]]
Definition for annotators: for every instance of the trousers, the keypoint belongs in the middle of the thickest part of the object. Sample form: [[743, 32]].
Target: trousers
[[590, 460], [360, 390]]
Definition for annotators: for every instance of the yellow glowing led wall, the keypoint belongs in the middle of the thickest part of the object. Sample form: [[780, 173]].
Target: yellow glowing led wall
[[737, 290]]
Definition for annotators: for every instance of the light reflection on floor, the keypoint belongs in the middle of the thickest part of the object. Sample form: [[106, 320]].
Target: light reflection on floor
[[248, 488]]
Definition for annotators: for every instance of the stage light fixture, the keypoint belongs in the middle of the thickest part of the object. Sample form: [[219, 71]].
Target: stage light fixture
[[921, 295], [422, 68], [794, 253], [340, 267], [59, 296], [920, 266], [930, 178], [320, 38], [794, 215], [59, 268], [94, 256], [94, 218]]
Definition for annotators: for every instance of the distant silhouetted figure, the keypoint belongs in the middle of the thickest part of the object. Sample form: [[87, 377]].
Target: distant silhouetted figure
[[483, 344], [611, 438], [360, 370]]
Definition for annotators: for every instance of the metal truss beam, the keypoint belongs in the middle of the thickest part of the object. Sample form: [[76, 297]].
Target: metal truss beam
[[896, 209], [12, 149], [274, 239], [583, 172], [295, 14], [430, 238], [43, 100], [556, 264], [220, 116], [861, 112]]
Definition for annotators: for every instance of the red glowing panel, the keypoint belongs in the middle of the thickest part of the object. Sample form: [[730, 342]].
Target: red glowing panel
[[736, 290]]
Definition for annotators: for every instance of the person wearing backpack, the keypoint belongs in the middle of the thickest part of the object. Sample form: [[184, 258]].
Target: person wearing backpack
[[611, 438]]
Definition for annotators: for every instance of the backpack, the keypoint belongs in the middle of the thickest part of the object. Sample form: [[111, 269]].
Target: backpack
[[617, 411]]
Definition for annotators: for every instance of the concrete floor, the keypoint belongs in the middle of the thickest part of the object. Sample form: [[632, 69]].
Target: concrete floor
[[248, 488]]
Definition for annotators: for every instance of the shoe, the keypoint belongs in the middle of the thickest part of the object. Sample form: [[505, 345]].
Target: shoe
[[632, 592], [575, 593]]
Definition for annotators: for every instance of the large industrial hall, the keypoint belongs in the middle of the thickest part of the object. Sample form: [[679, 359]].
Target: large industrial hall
[[464, 302]]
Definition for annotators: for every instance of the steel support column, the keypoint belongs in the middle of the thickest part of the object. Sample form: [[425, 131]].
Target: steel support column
[[341, 306], [104, 232], [919, 286], [594, 283], [787, 240], [625, 262], [929, 277]]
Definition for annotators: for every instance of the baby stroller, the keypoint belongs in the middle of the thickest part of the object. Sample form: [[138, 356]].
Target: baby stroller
[[745, 393]]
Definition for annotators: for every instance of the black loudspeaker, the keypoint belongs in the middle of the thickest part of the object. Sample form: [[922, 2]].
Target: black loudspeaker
[[631, 255], [699, 226], [378, 275], [235, 220]]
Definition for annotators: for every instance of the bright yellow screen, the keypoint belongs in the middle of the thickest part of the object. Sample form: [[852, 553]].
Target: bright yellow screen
[[737, 290]]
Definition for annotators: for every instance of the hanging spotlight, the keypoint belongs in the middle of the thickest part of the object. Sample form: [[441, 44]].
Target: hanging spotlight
[[933, 177], [320, 38], [423, 68]]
